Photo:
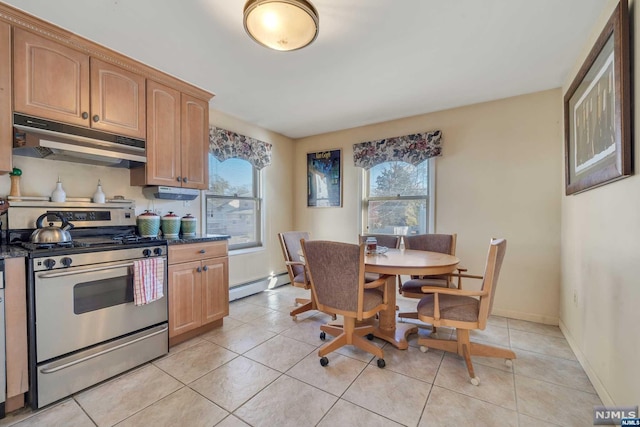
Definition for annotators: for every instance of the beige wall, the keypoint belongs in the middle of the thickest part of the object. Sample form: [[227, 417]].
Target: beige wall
[[600, 258], [498, 177]]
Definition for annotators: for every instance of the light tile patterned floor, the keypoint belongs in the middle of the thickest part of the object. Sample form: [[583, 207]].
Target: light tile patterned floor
[[261, 369]]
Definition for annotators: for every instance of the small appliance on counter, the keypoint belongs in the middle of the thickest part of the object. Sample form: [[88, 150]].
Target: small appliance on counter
[[170, 193]]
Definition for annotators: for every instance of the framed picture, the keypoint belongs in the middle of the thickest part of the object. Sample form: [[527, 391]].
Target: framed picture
[[597, 114], [324, 179]]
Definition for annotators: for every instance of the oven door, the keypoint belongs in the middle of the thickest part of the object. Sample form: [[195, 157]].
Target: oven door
[[78, 307]]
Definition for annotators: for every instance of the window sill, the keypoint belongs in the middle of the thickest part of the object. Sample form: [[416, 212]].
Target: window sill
[[244, 251]]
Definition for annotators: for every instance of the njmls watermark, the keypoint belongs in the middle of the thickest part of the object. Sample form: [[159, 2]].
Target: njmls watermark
[[616, 415]]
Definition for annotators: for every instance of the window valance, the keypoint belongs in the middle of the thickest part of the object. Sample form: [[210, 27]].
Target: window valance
[[413, 149], [224, 144]]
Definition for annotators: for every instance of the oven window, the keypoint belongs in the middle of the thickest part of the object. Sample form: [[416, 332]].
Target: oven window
[[98, 294]]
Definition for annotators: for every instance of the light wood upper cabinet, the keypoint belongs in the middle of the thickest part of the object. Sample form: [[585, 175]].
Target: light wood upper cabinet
[[56, 82], [6, 134], [117, 100], [195, 143], [163, 138], [177, 124], [50, 80]]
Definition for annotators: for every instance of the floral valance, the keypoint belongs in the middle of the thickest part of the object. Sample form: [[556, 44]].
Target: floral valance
[[412, 149], [224, 144]]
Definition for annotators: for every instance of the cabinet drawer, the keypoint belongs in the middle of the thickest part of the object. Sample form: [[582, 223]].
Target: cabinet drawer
[[197, 251]]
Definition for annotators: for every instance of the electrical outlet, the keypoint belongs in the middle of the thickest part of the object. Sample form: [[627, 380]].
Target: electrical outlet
[[187, 203]]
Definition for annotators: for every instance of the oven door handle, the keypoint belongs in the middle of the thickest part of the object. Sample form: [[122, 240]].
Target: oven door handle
[[100, 353], [82, 270]]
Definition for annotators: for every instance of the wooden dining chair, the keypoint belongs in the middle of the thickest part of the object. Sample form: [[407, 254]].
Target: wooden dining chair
[[336, 272], [291, 250], [442, 243], [465, 310]]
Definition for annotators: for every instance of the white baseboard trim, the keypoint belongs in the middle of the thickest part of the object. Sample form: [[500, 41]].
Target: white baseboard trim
[[531, 317], [595, 381], [245, 289]]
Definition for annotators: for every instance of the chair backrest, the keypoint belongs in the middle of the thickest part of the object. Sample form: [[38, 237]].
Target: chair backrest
[[386, 240], [290, 243], [336, 272], [443, 243], [497, 250]]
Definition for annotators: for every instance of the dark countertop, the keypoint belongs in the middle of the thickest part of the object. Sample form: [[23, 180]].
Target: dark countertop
[[8, 251], [196, 238]]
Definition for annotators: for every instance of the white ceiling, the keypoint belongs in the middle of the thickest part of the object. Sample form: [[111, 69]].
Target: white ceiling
[[374, 60]]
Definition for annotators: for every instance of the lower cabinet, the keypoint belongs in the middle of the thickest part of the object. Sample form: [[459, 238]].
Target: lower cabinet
[[198, 288]]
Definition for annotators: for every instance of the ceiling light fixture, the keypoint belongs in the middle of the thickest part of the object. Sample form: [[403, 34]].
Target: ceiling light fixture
[[281, 24]]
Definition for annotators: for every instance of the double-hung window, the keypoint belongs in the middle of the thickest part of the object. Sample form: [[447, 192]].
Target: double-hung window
[[397, 198], [233, 202]]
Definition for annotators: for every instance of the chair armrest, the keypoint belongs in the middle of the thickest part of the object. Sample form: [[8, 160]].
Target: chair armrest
[[294, 263], [380, 282], [452, 291]]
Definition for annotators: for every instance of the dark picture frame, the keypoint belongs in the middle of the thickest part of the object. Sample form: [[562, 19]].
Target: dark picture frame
[[324, 179], [597, 111]]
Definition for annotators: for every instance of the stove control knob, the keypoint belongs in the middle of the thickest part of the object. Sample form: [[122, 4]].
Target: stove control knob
[[146, 252], [66, 261], [49, 263], [157, 251]]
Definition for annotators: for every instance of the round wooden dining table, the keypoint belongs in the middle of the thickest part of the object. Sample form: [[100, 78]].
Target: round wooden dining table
[[395, 262]]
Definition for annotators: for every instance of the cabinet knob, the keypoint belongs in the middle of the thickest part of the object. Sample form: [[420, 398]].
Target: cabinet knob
[[96, 118], [198, 269], [85, 115], [184, 179], [202, 251], [179, 179], [205, 268]]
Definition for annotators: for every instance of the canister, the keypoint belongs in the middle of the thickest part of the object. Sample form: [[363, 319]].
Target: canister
[[148, 224], [189, 225], [170, 225]]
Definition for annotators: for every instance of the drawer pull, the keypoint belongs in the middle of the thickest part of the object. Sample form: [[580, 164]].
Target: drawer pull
[[202, 251]]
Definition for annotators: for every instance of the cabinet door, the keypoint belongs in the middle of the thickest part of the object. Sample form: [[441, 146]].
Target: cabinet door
[[117, 100], [185, 294], [215, 289], [195, 143], [163, 135], [16, 326], [50, 80], [6, 134]]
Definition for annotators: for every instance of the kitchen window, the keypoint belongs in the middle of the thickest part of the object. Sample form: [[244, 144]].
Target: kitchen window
[[233, 202], [398, 198]]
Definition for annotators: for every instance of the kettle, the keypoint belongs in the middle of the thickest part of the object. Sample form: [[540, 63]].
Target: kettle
[[51, 234]]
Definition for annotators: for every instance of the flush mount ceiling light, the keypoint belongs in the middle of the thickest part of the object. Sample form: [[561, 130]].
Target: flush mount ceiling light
[[281, 24]]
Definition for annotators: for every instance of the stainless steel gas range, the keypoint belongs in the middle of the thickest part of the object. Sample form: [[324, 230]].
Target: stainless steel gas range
[[83, 324]]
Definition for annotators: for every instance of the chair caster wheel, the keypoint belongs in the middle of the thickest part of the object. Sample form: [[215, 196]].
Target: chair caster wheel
[[475, 381], [324, 361], [508, 362], [294, 318], [323, 336], [381, 363], [424, 349], [370, 337]]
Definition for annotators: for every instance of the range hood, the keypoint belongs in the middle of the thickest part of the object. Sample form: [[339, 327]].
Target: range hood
[[35, 137], [170, 193]]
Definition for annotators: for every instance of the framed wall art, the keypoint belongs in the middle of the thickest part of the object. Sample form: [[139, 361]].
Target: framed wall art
[[324, 179], [597, 112]]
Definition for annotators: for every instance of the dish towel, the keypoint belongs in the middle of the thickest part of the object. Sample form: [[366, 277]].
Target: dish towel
[[148, 280]]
